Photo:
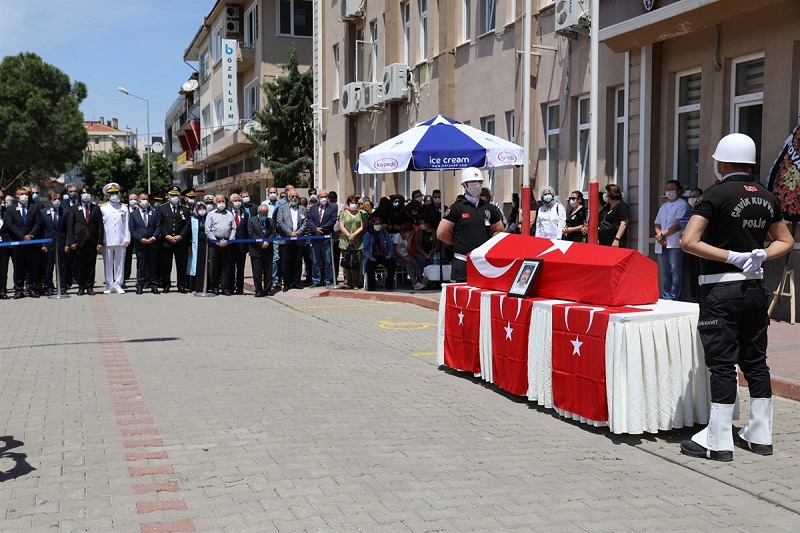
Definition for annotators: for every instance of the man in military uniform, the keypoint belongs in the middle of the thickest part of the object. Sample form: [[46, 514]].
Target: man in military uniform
[[727, 230], [176, 230], [117, 238], [468, 223]]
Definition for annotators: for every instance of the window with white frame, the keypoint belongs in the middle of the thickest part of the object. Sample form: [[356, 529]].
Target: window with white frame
[[583, 143], [252, 100], [296, 17], [204, 65], [489, 15], [216, 43], [466, 21], [251, 26], [687, 127], [219, 115], [619, 136], [552, 134], [423, 29], [488, 125], [205, 122], [360, 57], [747, 104], [372, 75], [405, 11], [337, 72], [511, 126]]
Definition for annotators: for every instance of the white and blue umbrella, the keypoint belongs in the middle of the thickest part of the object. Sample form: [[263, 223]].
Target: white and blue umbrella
[[440, 143]]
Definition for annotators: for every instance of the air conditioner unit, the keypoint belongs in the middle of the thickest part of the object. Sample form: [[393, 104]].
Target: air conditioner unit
[[372, 95], [232, 26], [571, 17], [395, 82], [232, 11], [351, 97], [352, 9]]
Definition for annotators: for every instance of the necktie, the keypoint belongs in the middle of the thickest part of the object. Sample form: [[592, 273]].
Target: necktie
[[24, 215], [144, 217], [236, 217], [86, 210], [55, 216], [174, 211], [321, 211]]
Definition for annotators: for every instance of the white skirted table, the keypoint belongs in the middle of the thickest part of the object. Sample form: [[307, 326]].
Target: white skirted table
[[655, 376]]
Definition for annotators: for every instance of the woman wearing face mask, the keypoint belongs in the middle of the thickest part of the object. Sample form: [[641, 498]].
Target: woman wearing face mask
[[352, 224], [196, 265], [403, 250], [425, 243], [668, 240], [613, 218], [575, 218], [551, 217], [412, 212], [378, 250]]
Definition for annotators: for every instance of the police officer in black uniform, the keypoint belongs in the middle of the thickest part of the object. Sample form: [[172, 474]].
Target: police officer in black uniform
[[176, 232], [468, 223], [727, 230]]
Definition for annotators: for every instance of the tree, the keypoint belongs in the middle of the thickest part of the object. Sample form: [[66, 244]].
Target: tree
[[285, 142], [41, 125], [161, 174], [121, 165]]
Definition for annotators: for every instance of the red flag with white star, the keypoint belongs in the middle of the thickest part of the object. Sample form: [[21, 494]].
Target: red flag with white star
[[579, 358], [511, 319], [462, 328]]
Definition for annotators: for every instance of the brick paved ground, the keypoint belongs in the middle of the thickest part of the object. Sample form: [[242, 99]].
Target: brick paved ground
[[175, 413]]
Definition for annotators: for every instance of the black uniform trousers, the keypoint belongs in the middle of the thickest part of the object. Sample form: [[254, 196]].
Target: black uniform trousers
[[236, 274], [732, 326], [128, 264], [5, 254], [291, 255], [262, 269], [458, 270], [146, 264], [180, 253], [26, 266], [85, 263], [219, 265]]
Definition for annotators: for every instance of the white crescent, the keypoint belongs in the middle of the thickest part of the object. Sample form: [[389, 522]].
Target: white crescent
[[482, 265], [591, 314]]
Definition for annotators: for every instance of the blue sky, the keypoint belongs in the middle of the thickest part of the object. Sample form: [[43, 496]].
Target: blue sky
[[136, 44]]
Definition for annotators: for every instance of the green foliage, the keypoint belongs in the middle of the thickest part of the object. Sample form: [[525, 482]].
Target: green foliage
[[286, 141], [41, 125], [124, 166]]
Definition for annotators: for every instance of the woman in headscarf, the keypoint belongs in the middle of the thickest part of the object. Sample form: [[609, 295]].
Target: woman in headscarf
[[196, 265], [551, 218]]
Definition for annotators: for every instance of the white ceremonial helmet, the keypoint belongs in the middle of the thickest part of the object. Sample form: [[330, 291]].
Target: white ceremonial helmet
[[736, 148], [471, 174]]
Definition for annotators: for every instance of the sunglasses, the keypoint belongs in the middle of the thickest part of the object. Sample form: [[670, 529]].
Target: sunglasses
[[573, 197]]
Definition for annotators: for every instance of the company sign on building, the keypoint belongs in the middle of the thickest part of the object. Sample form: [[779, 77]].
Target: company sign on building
[[230, 104]]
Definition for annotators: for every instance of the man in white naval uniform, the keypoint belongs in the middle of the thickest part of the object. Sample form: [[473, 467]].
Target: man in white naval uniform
[[117, 239]]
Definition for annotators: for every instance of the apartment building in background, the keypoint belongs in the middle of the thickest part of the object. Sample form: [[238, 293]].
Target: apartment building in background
[[209, 149]]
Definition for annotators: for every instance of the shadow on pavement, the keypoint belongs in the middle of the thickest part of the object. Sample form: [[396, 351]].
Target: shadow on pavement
[[153, 339], [21, 466]]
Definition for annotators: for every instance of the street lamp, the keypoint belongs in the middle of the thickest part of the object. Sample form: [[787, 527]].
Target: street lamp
[[123, 90]]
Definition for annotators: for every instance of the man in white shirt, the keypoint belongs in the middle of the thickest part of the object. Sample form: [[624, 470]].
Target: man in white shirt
[[117, 238], [221, 227]]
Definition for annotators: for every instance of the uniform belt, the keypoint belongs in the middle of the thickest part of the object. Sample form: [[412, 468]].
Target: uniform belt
[[727, 276], [462, 257]]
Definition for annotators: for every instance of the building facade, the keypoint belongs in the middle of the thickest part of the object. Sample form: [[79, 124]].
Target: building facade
[[209, 149]]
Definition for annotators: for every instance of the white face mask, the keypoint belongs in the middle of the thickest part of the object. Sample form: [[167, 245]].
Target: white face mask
[[133, 201], [717, 172], [221, 206], [353, 207], [201, 212], [437, 201], [86, 197], [484, 198], [174, 200], [671, 195], [23, 199], [312, 197], [573, 203], [144, 204], [246, 200], [323, 201], [605, 198], [190, 202], [56, 203], [474, 189], [377, 227], [273, 196], [237, 205], [547, 198], [692, 201], [114, 198], [293, 203]]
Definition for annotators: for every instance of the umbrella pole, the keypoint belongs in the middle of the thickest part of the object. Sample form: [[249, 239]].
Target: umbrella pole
[[441, 213]]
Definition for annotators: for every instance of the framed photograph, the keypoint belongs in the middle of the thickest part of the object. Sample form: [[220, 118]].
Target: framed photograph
[[525, 277]]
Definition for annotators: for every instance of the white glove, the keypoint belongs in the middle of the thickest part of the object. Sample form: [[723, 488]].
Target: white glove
[[738, 259], [753, 264]]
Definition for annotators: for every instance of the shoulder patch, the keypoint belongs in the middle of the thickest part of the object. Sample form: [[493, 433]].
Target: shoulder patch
[[447, 211]]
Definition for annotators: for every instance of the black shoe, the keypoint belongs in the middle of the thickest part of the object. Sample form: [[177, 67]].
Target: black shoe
[[49, 292], [63, 291], [277, 288], [760, 449], [154, 290], [3, 296], [297, 286], [227, 293], [692, 449], [81, 292], [139, 290], [315, 284], [18, 295], [285, 289], [90, 292], [166, 290], [33, 294], [182, 290], [259, 294]]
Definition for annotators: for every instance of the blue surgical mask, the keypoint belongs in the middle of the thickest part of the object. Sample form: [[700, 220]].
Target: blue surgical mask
[[547, 198], [35, 196], [262, 218], [65, 197], [114, 198], [86, 197]]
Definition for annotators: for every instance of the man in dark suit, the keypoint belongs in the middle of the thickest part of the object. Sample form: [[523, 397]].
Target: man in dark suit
[[290, 221], [70, 199], [5, 251], [322, 218], [145, 226], [133, 202], [260, 227], [24, 222], [239, 250], [55, 228], [176, 229], [85, 235]]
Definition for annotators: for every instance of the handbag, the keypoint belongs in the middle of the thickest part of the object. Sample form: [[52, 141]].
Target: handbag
[[350, 259]]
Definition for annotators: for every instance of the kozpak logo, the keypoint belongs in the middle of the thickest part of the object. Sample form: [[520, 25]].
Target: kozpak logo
[[750, 188], [386, 164], [506, 157]]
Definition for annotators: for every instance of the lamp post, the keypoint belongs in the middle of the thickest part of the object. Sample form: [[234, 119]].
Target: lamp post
[[123, 90]]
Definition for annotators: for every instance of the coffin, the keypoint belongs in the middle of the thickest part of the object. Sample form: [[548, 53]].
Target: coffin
[[588, 273]]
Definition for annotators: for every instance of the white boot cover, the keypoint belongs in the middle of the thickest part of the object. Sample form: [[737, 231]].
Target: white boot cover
[[759, 426], [718, 434]]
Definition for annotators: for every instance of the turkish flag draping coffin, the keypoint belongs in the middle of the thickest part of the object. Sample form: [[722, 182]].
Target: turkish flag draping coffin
[[579, 358], [511, 321], [588, 273], [462, 325]]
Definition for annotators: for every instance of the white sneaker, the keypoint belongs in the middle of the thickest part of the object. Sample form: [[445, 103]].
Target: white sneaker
[[107, 291], [119, 290], [419, 286]]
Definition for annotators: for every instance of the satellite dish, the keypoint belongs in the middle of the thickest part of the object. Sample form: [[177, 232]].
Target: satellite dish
[[157, 147], [189, 86], [252, 126]]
